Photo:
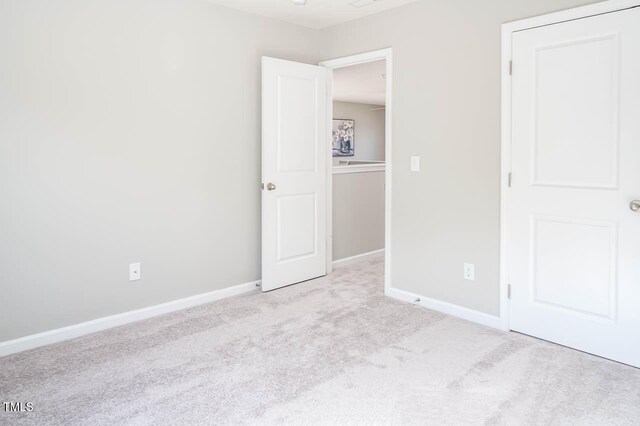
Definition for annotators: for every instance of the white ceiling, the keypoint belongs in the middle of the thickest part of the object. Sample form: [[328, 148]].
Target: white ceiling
[[316, 13], [361, 83]]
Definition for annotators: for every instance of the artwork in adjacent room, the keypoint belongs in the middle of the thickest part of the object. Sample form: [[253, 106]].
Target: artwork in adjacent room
[[343, 136]]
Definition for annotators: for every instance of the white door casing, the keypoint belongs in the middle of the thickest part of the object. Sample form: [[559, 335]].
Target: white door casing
[[573, 241], [361, 58], [295, 140]]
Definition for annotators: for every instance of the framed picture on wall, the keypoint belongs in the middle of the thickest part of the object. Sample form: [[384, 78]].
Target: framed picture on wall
[[343, 137]]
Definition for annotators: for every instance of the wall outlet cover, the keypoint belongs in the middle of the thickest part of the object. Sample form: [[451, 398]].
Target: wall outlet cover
[[469, 271], [135, 272]]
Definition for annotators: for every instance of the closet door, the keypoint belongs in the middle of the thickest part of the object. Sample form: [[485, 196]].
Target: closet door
[[573, 224]]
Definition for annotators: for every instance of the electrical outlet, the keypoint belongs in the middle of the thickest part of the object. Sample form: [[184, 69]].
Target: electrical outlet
[[469, 272], [135, 273]]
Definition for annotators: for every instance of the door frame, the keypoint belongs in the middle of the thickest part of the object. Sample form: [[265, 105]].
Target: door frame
[[376, 55], [505, 158]]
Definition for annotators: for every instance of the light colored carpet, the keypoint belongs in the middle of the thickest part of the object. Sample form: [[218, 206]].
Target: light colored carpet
[[329, 351]]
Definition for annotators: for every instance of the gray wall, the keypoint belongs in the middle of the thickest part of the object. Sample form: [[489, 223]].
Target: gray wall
[[369, 130], [358, 213], [129, 132], [447, 110]]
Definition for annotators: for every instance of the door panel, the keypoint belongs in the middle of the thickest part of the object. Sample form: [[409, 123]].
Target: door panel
[[295, 143], [573, 241], [576, 79], [573, 265], [297, 136], [296, 228]]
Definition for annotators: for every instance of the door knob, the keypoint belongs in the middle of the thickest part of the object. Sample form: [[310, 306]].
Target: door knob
[[635, 205], [271, 187]]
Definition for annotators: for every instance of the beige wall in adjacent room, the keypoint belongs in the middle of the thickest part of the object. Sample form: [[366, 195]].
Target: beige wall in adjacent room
[[446, 64], [358, 213], [129, 132], [369, 130]]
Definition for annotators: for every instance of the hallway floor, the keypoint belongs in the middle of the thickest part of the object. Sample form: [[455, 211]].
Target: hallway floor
[[332, 350]]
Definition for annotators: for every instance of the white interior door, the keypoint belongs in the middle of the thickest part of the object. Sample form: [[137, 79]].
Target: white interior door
[[295, 144], [573, 238]]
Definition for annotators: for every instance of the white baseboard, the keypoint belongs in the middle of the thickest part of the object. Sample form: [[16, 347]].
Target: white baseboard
[[447, 308], [60, 334], [358, 258]]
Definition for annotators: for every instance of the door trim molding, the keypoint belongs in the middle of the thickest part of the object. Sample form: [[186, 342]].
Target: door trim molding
[[376, 55], [505, 162]]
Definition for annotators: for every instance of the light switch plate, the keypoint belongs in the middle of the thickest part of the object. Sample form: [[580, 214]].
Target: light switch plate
[[415, 163]]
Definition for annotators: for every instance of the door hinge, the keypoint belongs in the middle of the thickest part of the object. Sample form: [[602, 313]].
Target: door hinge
[[508, 291], [510, 67], [509, 180]]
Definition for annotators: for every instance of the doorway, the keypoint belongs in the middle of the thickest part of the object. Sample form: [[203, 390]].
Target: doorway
[[362, 87], [298, 166]]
